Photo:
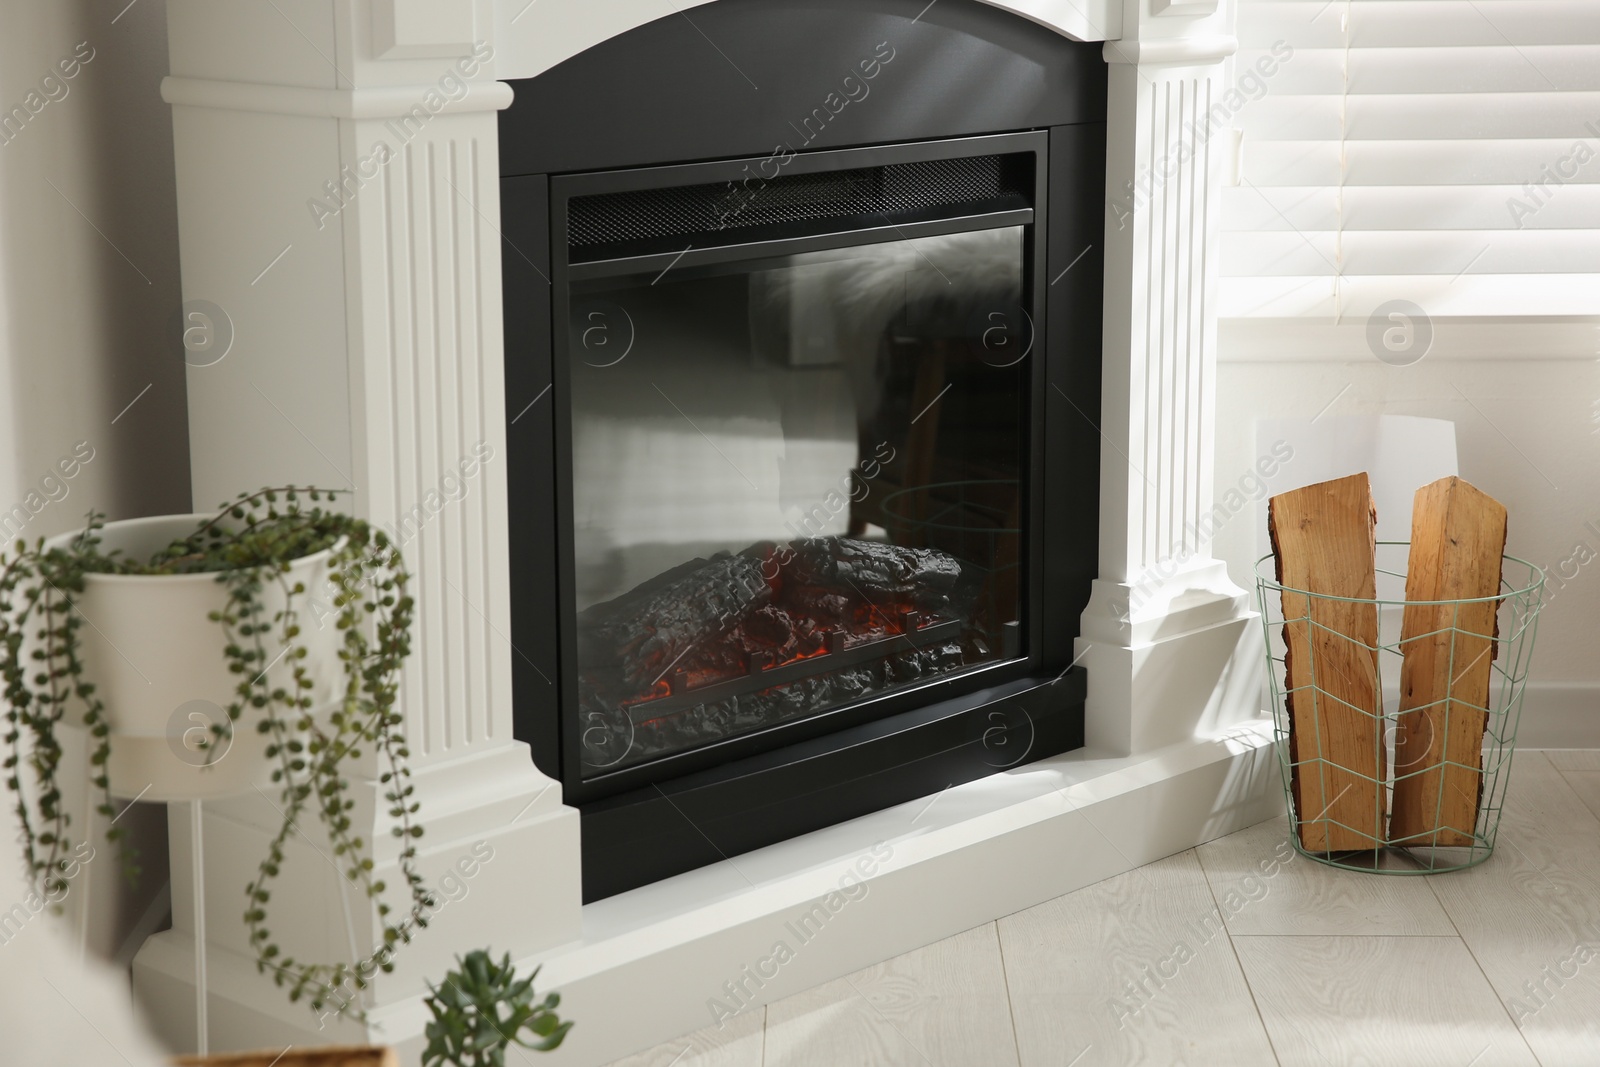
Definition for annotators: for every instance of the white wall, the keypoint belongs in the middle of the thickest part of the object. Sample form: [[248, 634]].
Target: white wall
[[1523, 396], [90, 286], [88, 293], [1333, 182]]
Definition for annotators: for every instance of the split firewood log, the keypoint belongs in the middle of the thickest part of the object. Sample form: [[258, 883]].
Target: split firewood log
[[1458, 539], [1324, 541]]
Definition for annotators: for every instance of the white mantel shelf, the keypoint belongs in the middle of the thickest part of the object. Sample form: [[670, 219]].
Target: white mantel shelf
[[369, 353]]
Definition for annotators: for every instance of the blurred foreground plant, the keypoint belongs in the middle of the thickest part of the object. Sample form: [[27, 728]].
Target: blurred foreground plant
[[482, 1009]]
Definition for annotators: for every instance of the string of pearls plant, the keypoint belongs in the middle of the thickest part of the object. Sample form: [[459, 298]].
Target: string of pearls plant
[[249, 545]]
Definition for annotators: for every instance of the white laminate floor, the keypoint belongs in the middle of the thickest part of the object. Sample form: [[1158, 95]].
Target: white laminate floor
[[1239, 953]]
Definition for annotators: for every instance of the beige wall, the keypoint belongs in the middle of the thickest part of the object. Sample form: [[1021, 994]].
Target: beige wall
[[89, 296]]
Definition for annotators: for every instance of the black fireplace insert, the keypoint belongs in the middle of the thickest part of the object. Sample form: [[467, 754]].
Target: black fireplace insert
[[802, 403]]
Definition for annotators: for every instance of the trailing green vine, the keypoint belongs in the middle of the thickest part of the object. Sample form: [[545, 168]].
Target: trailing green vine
[[249, 545], [36, 587]]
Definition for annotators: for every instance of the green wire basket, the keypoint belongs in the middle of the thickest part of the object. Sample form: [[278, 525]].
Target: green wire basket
[[1302, 715]]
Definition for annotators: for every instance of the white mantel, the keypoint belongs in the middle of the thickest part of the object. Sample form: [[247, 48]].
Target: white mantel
[[368, 354]]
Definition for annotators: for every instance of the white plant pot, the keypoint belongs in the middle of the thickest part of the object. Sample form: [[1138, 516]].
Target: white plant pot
[[156, 659]]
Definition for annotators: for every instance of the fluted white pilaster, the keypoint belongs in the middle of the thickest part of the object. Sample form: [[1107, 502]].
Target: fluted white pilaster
[[431, 448], [1161, 636], [341, 207]]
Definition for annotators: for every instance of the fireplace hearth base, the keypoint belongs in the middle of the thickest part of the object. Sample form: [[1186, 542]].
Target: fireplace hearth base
[[661, 830]]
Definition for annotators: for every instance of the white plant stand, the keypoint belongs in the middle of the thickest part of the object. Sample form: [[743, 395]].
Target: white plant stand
[[197, 844]]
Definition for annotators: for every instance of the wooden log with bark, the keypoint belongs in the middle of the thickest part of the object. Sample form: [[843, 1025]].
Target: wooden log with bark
[[1458, 539], [1324, 541]]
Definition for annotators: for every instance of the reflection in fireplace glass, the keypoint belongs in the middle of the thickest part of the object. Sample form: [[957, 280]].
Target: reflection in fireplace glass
[[796, 484]]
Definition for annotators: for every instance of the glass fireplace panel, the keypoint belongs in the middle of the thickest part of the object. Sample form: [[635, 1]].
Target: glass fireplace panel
[[797, 482]]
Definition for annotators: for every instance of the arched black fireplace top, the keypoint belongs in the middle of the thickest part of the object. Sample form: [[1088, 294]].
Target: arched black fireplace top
[[744, 77]]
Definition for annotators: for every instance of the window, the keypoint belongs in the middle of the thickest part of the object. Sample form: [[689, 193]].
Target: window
[[1442, 152]]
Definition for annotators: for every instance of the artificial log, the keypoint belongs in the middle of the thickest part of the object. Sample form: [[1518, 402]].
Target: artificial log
[[648, 629], [1458, 539], [711, 621], [1324, 541], [612, 739], [880, 573], [769, 633]]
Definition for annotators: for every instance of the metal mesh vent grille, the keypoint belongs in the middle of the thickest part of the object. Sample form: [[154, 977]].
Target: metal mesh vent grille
[[609, 218]]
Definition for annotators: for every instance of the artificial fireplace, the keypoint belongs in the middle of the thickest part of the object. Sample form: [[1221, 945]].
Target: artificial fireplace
[[799, 433], [802, 449], [415, 326]]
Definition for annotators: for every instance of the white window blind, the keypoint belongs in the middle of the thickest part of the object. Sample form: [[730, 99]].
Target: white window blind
[[1445, 152]]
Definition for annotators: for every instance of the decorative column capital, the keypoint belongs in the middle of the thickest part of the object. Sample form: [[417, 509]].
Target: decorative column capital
[[376, 102], [1186, 51]]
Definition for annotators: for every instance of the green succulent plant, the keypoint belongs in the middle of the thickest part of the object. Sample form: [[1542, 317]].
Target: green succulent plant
[[482, 1009]]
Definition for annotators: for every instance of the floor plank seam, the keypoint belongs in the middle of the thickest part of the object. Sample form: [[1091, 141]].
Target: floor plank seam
[[1476, 962], [1262, 937], [1237, 962], [1563, 773], [1583, 804], [1251, 989], [1005, 979]]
